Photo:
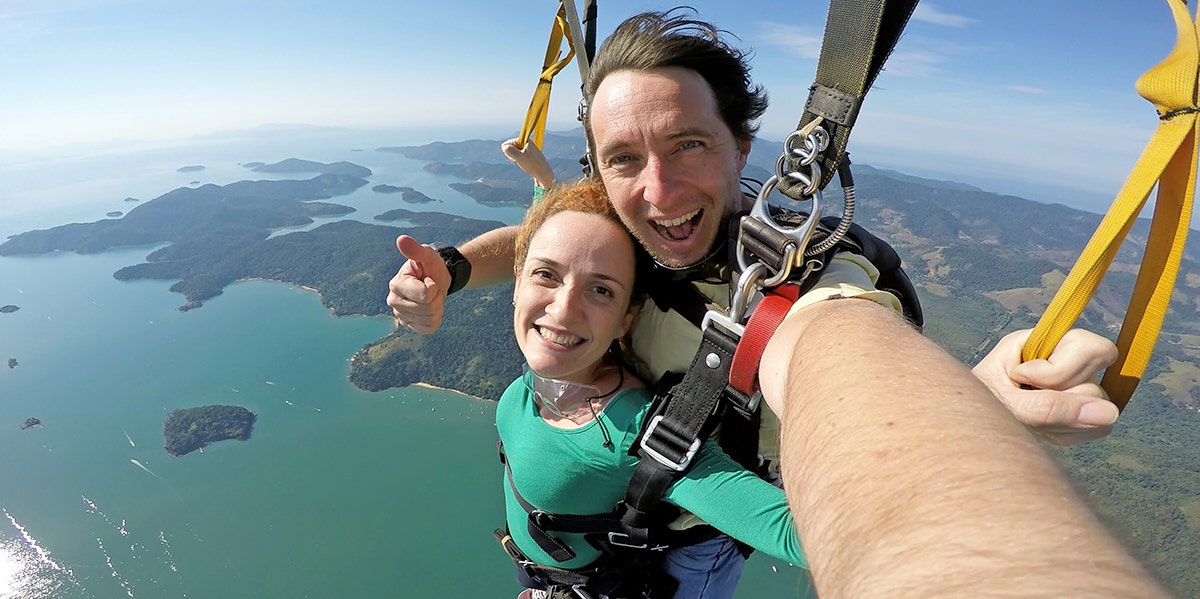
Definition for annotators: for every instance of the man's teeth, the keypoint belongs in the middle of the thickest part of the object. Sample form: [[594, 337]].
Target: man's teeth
[[566, 340], [675, 222]]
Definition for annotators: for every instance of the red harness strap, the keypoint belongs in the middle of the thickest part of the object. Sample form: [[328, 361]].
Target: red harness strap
[[767, 316]]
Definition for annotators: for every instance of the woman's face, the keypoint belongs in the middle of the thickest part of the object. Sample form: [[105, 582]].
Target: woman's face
[[572, 295]]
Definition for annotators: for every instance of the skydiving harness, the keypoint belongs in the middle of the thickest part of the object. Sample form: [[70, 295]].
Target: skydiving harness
[[779, 260], [778, 255]]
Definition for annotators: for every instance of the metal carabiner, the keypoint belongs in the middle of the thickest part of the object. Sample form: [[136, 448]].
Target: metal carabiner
[[799, 234]]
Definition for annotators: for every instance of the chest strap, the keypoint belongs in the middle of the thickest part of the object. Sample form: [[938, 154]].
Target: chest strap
[[723, 373]]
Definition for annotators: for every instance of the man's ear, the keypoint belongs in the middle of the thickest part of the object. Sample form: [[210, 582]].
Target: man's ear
[[743, 153]]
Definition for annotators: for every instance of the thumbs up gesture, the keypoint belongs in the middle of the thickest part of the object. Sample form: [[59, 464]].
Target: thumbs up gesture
[[417, 294]]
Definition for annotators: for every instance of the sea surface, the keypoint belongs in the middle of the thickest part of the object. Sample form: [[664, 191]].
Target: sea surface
[[339, 493]]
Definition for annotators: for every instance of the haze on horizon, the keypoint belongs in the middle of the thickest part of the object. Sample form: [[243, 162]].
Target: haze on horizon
[[1014, 97]]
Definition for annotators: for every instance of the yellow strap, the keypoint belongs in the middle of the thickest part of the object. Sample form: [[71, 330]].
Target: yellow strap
[[1170, 160], [534, 128]]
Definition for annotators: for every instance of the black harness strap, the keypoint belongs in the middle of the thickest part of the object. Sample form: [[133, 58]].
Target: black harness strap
[[675, 430]]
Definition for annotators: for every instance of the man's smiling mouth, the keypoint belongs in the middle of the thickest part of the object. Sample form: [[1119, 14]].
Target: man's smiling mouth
[[678, 229]]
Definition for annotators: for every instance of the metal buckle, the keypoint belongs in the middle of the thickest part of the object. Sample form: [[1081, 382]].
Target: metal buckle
[[662, 459], [612, 539], [582, 593]]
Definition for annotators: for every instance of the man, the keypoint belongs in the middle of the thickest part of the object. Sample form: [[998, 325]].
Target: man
[[671, 117]]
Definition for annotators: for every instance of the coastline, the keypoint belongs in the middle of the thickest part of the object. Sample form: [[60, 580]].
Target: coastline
[[428, 386]]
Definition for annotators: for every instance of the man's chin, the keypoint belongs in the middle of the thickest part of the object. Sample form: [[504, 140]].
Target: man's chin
[[672, 258]]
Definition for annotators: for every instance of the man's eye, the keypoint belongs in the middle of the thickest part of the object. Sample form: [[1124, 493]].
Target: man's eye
[[687, 145], [622, 159]]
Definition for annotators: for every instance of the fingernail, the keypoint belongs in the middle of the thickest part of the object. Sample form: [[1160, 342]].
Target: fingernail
[[1098, 413]]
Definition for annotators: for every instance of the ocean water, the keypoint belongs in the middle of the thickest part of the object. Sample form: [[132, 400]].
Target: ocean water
[[338, 493]]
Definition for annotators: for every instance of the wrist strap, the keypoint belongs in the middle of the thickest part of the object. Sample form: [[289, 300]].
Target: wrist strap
[[458, 265]]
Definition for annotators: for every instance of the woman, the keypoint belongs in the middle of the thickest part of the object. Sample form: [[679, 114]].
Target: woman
[[567, 424]]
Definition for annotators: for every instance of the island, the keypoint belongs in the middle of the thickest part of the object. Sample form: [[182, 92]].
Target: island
[[296, 165], [12, 362], [408, 194], [114, 214], [190, 168], [9, 309], [30, 423], [189, 429], [131, 199]]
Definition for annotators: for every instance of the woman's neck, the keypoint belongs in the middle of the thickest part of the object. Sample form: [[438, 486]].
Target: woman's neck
[[609, 378]]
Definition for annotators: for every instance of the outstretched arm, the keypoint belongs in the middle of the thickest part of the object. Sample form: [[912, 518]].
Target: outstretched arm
[[532, 161], [907, 477], [417, 294], [1058, 397]]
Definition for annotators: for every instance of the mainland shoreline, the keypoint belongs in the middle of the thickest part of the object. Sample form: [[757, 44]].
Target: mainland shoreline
[[468, 395]]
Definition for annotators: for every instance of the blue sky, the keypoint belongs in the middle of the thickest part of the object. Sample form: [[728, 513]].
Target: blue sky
[[1015, 92]]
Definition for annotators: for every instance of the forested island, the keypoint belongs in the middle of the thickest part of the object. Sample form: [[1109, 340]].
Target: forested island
[[189, 429], [30, 423], [407, 194], [12, 362], [9, 308], [296, 165]]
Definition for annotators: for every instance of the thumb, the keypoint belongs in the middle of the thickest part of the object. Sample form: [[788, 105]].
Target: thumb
[[420, 257], [413, 250]]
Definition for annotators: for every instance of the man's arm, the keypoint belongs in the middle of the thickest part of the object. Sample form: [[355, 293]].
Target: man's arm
[[417, 294], [907, 477]]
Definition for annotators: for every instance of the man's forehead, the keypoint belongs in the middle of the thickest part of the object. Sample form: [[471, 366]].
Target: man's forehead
[[673, 102]]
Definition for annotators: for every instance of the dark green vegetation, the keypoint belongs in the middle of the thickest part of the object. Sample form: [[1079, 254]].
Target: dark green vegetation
[[30, 423], [473, 351], [9, 308], [12, 362], [219, 234], [407, 194], [296, 165], [984, 264], [493, 182], [189, 429]]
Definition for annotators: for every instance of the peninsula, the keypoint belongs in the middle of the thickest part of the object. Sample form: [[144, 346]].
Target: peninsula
[[189, 429]]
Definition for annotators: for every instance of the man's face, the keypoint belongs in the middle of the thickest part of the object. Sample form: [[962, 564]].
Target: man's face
[[670, 164]]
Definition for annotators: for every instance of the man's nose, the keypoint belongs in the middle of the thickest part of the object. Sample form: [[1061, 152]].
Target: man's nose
[[661, 181]]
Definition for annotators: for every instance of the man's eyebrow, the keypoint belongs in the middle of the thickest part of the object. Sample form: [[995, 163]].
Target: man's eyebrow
[[675, 134]]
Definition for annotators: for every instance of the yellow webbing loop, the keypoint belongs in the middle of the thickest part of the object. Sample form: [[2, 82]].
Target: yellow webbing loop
[[534, 128], [1170, 161]]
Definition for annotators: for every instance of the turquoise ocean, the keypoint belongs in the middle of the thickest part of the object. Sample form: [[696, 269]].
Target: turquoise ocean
[[339, 493]]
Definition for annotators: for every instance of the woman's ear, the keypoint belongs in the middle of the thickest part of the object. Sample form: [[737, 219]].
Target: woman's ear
[[627, 320]]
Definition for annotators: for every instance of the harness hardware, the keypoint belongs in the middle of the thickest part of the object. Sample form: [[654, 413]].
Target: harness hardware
[[616, 538], [676, 465]]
